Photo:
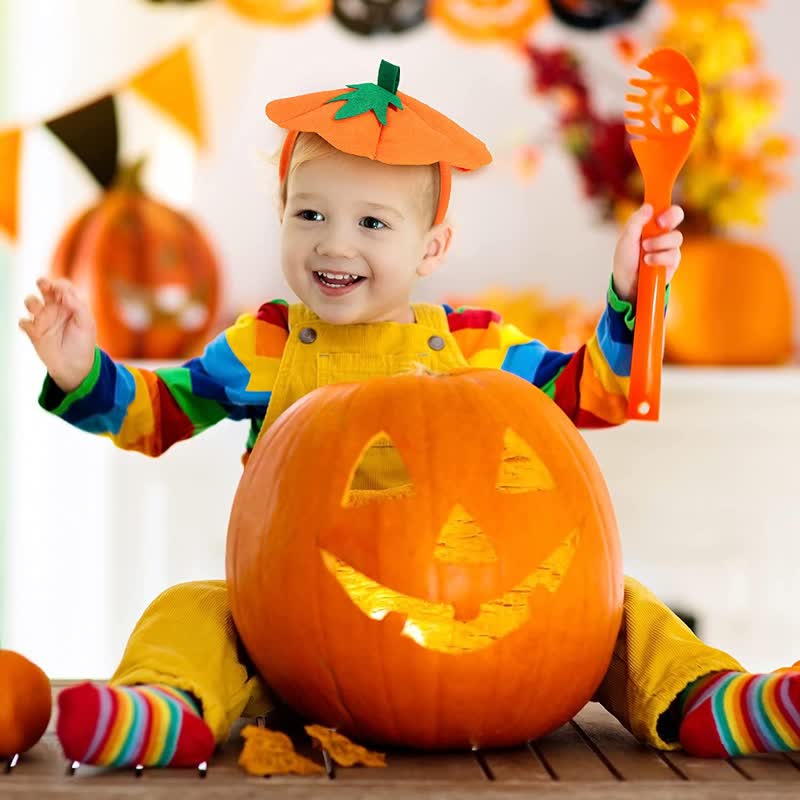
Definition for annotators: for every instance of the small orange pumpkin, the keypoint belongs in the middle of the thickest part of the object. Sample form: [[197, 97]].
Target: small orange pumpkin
[[149, 272], [730, 304], [25, 703], [420, 560]]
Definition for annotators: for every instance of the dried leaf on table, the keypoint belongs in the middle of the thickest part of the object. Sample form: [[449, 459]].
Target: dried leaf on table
[[344, 752], [267, 752]]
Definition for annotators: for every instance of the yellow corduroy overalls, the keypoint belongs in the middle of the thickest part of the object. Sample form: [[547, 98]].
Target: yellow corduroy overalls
[[186, 637]]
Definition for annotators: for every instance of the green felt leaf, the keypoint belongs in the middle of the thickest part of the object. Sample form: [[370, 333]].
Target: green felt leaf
[[375, 97]]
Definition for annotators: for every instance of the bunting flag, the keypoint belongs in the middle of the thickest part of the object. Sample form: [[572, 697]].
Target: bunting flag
[[10, 152], [170, 85], [90, 133]]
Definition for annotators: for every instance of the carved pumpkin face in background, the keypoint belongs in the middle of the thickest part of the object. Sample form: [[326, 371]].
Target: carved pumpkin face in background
[[420, 560], [149, 272], [368, 17]]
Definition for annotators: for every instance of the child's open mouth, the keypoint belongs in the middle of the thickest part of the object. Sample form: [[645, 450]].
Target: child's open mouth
[[335, 283]]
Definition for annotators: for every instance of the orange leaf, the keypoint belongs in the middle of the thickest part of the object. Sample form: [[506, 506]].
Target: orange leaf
[[267, 752], [344, 752]]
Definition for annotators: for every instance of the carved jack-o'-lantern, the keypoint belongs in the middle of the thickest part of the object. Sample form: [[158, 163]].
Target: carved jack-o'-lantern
[[426, 560], [150, 274]]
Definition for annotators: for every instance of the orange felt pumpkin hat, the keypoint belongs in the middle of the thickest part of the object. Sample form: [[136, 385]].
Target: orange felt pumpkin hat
[[375, 121]]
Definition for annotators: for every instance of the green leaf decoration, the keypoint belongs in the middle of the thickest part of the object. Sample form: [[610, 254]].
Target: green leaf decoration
[[375, 97]]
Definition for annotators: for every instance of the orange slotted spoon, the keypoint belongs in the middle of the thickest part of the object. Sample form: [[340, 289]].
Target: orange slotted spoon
[[662, 127]]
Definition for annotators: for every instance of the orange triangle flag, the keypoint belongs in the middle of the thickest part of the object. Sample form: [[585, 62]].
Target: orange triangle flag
[[170, 85], [10, 151]]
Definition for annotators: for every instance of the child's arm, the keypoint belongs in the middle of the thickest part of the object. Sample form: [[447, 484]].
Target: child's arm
[[146, 410], [590, 385]]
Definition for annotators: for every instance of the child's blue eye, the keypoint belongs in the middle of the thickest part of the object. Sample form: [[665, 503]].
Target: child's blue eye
[[311, 216], [372, 223]]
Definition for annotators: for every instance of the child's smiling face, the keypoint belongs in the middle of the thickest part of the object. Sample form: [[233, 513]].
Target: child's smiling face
[[356, 234]]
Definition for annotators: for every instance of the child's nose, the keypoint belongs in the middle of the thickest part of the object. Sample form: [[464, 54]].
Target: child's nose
[[334, 243]]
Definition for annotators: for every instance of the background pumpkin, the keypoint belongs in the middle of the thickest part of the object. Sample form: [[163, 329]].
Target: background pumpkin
[[25, 703], [148, 271], [730, 304], [484, 482]]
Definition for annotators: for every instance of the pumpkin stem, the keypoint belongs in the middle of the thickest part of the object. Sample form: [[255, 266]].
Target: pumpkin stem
[[388, 76], [130, 176]]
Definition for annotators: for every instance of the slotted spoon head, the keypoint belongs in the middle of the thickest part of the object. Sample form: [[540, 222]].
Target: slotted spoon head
[[665, 112]]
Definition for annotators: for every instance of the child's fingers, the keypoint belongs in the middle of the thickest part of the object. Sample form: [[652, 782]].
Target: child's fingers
[[637, 221], [53, 289], [671, 218], [665, 241], [666, 258], [27, 326], [75, 303], [33, 304], [46, 287]]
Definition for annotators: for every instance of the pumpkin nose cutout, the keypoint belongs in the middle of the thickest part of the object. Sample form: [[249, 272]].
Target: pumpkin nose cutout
[[461, 541]]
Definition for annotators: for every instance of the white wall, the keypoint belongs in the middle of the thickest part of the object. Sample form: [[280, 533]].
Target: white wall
[[95, 533]]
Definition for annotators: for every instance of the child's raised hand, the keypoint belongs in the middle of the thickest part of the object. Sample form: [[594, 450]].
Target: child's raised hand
[[62, 331], [665, 249]]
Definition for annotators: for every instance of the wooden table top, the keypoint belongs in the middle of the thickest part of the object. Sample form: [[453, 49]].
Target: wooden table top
[[592, 756]]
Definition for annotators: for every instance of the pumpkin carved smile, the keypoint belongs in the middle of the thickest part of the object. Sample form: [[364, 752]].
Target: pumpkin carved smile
[[380, 475], [434, 625]]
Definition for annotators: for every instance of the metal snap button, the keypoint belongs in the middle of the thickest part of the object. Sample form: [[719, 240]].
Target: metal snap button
[[436, 343], [308, 335]]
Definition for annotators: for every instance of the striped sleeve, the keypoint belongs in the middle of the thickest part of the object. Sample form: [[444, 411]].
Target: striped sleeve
[[149, 410], [589, 385]]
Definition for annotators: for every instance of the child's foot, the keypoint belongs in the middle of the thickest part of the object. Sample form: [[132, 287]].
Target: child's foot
[[735, 713], [122, 726]]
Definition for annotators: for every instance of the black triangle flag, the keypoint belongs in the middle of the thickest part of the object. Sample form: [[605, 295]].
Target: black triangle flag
[[91, 134]]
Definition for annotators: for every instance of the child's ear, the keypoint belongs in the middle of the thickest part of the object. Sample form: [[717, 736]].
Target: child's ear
[[437, 243]]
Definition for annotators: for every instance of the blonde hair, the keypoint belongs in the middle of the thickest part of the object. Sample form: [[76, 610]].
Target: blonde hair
[[310, 146]]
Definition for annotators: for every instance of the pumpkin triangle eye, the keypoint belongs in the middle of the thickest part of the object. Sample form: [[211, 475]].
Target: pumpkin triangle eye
[[461, 541], [379, 474], [521, 469]]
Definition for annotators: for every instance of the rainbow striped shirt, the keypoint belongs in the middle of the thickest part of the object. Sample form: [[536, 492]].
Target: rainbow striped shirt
[[149, 410]]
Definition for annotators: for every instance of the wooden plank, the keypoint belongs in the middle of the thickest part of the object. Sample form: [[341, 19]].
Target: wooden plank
[[518, 764], [770, 767], [704, 770], [630, 759], [257, 789], [570, 758], [402, 766]]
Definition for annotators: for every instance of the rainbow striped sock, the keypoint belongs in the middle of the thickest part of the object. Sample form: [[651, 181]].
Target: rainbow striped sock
[[122, 726], [736, 713]]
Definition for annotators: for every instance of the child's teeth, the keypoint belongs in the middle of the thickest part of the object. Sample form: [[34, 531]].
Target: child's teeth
[[336, 276]]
